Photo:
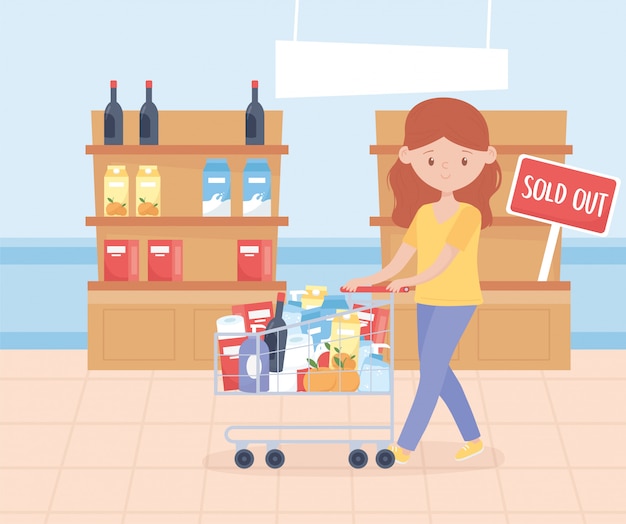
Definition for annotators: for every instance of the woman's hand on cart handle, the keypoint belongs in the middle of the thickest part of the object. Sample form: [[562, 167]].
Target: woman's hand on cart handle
[[355, 283], [400, 285]]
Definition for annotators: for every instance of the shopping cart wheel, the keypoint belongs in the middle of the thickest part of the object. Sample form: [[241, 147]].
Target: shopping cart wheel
[[275, 458], [385, 458], [244, 458], [357, 458]]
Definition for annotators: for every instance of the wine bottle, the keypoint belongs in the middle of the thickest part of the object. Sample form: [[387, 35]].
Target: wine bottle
[[148, 119], [277, 341], [113, 119], [255, 119]]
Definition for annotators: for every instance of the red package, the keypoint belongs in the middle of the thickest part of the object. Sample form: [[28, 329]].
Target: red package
[[165, 259], [254, 260], [374, 323], [256, 316], [229, 361], [121, 260]]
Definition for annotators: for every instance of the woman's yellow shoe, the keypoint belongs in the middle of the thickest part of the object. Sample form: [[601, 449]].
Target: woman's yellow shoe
[[401, 456], [470, 449]]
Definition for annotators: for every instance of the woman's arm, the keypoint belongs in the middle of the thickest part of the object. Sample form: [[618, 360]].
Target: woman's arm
[[400, 259], [445, 258]]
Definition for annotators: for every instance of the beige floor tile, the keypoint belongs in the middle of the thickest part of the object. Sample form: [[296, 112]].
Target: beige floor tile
[[23, 518], [472, 389], [309, 490], [221, 452], [372, 409], [320, 409], [255, 517], [33, 445], [335, 517], [470, 518], [605, 518], [468, 490], [528, 445], [538, 490], [404, 393], [180, 401], [398, 517], [404, 490], [162, 518], [248, 409], [588, 400], [320, 456], [516, 401], [185, 374], [34, 363], [166, 490], [601, 489], [595, 446], [509, 374], [257, 486], [441, 443], [547, 518], [173, 445], [91, 490], [38, 400], [120, 374], [84, 518], [93, 445], [596, 363], [26, 489], [114, 401]]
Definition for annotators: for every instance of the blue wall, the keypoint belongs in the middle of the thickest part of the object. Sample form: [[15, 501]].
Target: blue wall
[[43, 285]]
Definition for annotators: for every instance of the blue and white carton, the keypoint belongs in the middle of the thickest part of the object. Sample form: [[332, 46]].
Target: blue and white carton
[[257, 188], [216, 188]]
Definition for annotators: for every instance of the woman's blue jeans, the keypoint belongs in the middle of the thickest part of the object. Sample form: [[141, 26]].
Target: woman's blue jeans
[[439, 329]]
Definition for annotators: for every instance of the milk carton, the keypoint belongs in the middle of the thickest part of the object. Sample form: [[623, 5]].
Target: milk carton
[[257, 188], [216, 188]]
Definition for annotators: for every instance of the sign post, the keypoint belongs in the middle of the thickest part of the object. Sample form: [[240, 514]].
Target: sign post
[[561, 195]]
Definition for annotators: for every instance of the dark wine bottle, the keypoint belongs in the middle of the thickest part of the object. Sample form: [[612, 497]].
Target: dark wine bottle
[[255, 119], [113, 119], [148, 119], [277, 341]]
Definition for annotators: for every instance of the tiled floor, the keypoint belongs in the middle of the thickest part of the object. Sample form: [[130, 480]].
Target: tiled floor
[[98, 447]]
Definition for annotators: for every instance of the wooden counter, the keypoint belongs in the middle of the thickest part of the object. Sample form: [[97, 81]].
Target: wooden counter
[[520, 325]]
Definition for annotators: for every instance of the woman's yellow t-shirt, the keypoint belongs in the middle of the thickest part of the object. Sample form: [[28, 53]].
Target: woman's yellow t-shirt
[[458, 284]]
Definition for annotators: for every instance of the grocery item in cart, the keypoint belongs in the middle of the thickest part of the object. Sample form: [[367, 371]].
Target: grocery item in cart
[[374, 373], [229, 361], [257, 187], [313, 296], [292, 315], [216, 188], [276, 341], [254, 364], [346, 334], [256, 316], [148, 192], [116, 191], [374, 323]]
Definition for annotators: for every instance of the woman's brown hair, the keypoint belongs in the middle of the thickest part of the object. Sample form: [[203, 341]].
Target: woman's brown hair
[[460, 123]]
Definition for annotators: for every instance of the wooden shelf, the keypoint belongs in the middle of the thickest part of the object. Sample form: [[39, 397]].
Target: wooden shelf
[[187, 221], [187, 286], [531, 149], [497, 221], [205, 150]]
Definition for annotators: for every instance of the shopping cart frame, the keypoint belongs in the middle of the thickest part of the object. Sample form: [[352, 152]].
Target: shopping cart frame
[[357, 457]]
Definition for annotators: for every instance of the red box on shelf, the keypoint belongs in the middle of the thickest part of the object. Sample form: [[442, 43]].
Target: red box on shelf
[[165, 259], [121, 260], [229, 361], [254, 260], [256, 316]]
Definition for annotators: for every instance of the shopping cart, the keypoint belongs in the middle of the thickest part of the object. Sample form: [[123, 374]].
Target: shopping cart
[[325, 333]]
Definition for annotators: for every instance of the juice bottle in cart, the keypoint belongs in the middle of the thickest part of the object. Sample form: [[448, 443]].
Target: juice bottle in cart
[[116, 191], [345, 335], [148, 192]]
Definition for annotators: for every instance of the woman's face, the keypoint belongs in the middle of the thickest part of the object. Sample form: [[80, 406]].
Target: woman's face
[[446, 166]]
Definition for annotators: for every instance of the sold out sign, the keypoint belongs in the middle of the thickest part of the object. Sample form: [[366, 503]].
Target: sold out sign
[[562, 196]]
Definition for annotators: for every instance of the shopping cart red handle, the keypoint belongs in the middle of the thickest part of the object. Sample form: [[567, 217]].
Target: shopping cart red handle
[[374, 289]]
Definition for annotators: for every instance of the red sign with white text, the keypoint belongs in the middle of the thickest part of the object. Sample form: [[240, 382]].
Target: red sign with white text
[[558, 194]]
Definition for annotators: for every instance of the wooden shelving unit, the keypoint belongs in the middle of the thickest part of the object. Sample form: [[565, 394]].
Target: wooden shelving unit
[[170, 325]]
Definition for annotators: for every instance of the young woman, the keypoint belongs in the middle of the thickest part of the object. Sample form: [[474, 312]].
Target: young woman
[[443, 179]]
